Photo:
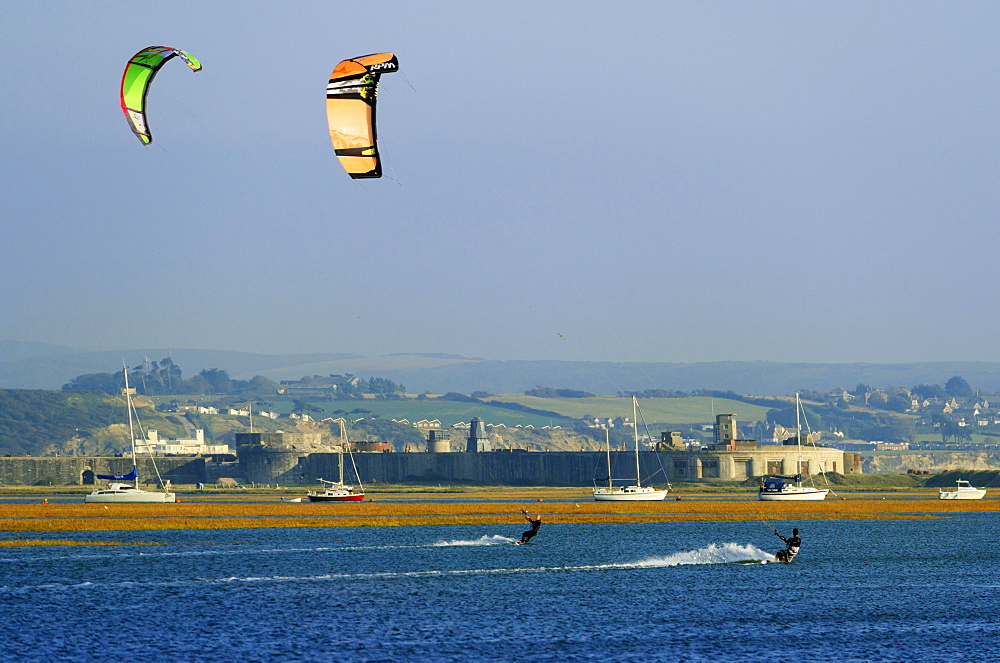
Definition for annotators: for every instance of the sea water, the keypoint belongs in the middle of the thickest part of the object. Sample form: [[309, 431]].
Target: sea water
[[860, 590]]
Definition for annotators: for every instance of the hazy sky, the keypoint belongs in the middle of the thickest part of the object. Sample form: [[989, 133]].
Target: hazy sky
[[659, 181]]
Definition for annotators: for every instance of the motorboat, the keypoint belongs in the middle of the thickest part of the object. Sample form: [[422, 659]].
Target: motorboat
[[963, 491]]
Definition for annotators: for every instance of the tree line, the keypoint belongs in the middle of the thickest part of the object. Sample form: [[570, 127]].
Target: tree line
[[164, 377]]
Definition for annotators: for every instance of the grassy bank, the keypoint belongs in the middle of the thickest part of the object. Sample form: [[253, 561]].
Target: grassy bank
[[493, 507], [838, 482]]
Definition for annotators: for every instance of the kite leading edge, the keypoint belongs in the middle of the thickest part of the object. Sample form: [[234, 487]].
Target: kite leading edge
[[138, 75], [350, 112]]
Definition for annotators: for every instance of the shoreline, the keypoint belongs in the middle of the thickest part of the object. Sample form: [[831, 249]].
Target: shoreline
[[481, 507]]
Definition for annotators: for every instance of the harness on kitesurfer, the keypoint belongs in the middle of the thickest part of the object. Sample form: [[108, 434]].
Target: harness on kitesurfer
[[536, 522], [792, 543]]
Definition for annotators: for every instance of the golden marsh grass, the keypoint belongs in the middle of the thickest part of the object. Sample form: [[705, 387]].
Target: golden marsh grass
[[21, 543], [486, 507]]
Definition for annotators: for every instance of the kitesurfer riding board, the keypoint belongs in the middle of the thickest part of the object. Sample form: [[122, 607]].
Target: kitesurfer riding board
[[536, 522], [793, 544]]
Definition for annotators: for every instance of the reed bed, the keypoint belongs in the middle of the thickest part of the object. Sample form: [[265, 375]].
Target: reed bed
[[20, 543], [495, 509], [120, 524]]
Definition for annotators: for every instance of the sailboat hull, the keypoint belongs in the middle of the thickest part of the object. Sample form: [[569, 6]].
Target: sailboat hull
[[793, 493], [629, 494], [336, 497], [125, 494]]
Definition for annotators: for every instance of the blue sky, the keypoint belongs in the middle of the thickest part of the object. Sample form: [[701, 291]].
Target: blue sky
[[655, 181]]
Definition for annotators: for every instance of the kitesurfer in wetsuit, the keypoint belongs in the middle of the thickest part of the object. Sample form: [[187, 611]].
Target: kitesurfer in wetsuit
[[536, 522], [793, 544]]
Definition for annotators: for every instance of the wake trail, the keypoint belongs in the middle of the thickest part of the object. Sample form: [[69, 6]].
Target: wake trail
[[485, 540], [57, 553], [724, 553]]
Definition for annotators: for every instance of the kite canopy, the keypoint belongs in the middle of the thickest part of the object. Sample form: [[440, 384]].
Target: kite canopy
[[350, 112], [139, 73]]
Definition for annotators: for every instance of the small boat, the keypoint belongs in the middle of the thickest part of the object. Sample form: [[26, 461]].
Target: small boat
[[779, 488], [637, 492], [338, 491], [291, 499], [129, 493], [775, 488], [963, 491]]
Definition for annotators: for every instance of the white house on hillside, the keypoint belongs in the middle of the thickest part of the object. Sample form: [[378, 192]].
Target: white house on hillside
[[188, 447]]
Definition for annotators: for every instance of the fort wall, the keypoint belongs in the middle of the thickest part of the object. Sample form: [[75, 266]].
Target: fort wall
[[283, 465], [82, 470]]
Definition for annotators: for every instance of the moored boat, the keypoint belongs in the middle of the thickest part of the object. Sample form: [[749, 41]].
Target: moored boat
[[117, 491], [775, 488], [338, 491], [779, 488], [963, 491], [629, 494], [633, 493]]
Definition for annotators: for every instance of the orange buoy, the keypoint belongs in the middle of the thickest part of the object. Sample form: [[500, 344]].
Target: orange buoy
[[540, 499]]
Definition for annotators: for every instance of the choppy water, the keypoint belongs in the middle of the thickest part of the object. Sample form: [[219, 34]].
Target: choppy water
[[878, 590]]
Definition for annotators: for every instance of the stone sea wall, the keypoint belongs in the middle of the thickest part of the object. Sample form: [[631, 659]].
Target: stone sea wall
[[81, 470]]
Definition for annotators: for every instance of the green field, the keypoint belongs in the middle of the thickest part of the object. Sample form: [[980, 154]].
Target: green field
[[674, 411], [694, 410], [977, 438]]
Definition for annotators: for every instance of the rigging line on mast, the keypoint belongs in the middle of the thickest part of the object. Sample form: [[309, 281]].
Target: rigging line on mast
[[656, 454], [811, 441], [145, 437]]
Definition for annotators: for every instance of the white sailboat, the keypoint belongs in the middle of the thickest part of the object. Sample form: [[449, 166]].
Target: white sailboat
[[963, 491], [634, 493], [338, 491], [780, 488], [129, 493]]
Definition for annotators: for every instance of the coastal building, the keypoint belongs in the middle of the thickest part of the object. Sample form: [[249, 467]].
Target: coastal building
[[479, 439], [191, 446]]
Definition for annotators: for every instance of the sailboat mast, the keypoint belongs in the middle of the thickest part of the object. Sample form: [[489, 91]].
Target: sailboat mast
[[798, 439], [635, 434], [607, 446], [131, 427], [340, 456]]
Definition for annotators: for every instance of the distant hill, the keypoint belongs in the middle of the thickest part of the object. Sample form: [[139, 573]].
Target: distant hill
[[436, 374], [39, 366]]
